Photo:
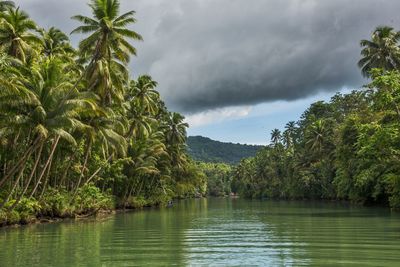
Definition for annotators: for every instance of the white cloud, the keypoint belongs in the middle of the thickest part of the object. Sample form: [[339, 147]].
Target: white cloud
[[217, 115]]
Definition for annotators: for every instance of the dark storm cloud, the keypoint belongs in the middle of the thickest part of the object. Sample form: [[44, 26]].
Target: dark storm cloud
[[215, 53]]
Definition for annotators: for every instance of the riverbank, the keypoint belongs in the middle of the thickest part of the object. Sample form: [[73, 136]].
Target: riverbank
[[59, 205], [213, 231]]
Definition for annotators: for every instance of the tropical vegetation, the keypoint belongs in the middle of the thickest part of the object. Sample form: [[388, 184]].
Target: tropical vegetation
[[344, 149], [77, 133]]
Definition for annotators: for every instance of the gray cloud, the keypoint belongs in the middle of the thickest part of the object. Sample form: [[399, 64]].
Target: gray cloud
[[215, 53]]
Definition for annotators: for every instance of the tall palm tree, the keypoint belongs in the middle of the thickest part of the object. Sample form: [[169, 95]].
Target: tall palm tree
[[107, 43], [16, 33], [276, 136], [46, 115], [382, 51], [289, 134]]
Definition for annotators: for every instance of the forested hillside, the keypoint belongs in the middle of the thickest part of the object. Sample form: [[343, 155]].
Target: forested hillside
[[207, 150]]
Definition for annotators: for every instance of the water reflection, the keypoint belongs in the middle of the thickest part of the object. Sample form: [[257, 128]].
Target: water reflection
[[214, 232], [232, 236]]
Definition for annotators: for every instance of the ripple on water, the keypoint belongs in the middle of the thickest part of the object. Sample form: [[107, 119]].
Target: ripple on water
[[215, 232]]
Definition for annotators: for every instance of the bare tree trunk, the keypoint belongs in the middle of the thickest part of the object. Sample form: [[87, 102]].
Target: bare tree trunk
[[140, 187], [97, 171], [30, 177], [46, 179], [21, 161], [45, 166], [71, 159], [84, 166], [13, 188]]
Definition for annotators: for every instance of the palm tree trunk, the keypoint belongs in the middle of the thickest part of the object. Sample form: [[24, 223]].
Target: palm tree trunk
[[21, 161], [84, 165], [62, 180], [45, 166], [97, 171], [13, 188], [46, 179], [140, 187], [30, 177]]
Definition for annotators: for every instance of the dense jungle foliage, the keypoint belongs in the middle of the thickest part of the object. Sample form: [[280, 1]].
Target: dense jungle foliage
[[204, 149], [344, 149], [77, 133], [348, 148]]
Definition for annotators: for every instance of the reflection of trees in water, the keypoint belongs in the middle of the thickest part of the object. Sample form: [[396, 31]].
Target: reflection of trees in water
[[58, 244], [152, 237], [214, 231], [334, 233]]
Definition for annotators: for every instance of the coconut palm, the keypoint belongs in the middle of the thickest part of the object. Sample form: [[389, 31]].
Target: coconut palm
[[46, 115], [144, 93], [139, 121], [107, 44], [175, 129], [276, 136], [4, 5], [289, 134], [16, 33], [315, 135], [55, 43], [382, 51]]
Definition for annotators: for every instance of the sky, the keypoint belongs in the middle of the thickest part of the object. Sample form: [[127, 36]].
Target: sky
[[239, 68]]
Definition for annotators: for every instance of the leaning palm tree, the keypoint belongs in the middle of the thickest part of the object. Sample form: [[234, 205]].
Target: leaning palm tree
[[382, 51], [107, 44], [46, 115], [16, 33]]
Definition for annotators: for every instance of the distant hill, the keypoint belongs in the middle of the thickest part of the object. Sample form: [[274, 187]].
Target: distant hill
[[207, 150]]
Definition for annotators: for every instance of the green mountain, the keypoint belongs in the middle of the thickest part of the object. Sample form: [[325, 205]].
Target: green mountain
[[207, 150]]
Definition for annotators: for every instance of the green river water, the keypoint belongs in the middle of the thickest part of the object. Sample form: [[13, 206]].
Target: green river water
[[214, 232]]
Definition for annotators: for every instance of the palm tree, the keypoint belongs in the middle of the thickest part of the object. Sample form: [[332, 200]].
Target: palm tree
[[289, 134], [16, 35], [144, 93], [4, 5], [382, 51], [175, 136], [45, 114], [175, 129], [55, 43], [139, 121], [315, 135], [106, 45], [276, 136]]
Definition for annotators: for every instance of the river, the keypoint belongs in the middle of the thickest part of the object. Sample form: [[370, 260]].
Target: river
[[214, 232]]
